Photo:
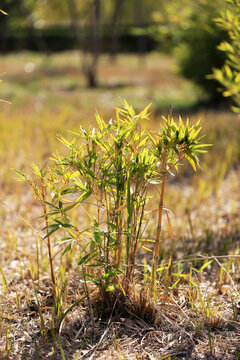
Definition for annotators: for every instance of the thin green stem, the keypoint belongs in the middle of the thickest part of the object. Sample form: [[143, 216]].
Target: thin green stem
[[156, 255]]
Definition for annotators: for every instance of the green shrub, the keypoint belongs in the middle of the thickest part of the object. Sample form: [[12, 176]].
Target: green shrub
[[229, 74], [193, 36]]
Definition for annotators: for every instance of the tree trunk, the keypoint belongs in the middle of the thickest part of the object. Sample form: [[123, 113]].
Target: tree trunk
[[88, 66]]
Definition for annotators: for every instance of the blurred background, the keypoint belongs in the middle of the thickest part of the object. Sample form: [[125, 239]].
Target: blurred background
[[184, 30], [63, 59]]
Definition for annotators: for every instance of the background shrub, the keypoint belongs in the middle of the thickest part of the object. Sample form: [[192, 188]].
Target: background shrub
[[193, 35]]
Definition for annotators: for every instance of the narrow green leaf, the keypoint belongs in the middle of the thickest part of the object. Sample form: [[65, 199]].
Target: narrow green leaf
[[51, 232], [4, 281], [36, 170], [22, 176], [70, 309], [174, 285], [204, 266], [69, 247], [83, 260]]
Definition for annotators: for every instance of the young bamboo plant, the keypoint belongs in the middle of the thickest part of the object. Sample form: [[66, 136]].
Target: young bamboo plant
[[106, 177], [170, 146], [112, 168]]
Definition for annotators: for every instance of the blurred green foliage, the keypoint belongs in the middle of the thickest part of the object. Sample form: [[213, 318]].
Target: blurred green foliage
[[192, 35], [229, 74]]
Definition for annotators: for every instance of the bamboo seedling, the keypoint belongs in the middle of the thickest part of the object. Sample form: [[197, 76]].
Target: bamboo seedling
[[174, 143], [40, 193], [111, 168]]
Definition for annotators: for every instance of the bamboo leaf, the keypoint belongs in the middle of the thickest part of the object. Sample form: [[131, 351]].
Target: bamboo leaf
[[69, 247], [70, 309], [70, 207], [4, 281], [71, 233], [5, 101], [50, 204], [145, 111], [51, 232], [21, 175], [146, 248], [191, 162], [174, 285], [74, 175], [63, 241], [204, 266], [36, 170], [83, 260]]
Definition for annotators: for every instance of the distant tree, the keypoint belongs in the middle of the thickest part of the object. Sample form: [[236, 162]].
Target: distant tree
[[88, 43], [95, 44]]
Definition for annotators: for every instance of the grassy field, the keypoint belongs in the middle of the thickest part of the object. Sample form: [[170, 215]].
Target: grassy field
[[196, 312]]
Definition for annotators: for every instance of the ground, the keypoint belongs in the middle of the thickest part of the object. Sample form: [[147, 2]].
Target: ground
[[194, 318]]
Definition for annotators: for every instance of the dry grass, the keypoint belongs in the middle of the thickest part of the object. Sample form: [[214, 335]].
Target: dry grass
[[199, 318]]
